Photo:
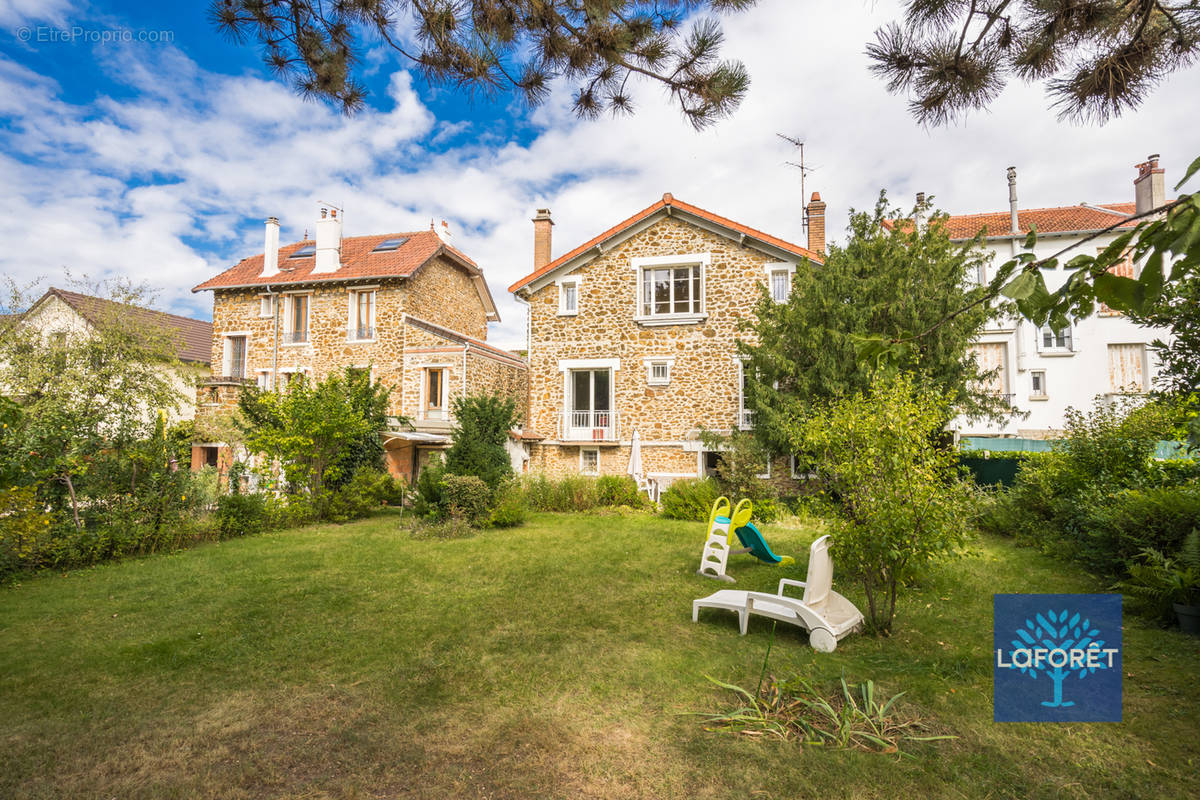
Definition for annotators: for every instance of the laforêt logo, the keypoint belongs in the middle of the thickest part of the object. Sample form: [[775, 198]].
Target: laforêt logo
[[1057, 657]]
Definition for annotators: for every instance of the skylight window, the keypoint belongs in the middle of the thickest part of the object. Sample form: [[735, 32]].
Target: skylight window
[[304, 252], [389, 244]]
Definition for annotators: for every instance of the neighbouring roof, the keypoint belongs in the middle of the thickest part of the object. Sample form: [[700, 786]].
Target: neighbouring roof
[[469, 342], [194, 335], [360, 261], [669, 205], [1064, 219]]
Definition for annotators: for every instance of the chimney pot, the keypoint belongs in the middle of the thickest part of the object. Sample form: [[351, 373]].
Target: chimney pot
[[329, 243], [1149, 188], [1013, 218], [271, 248], [816, 224], [542, 225]]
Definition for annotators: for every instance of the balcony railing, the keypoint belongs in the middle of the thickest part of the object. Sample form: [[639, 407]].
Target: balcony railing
[[295, 337], [358, 334], [589, 426], [746, 419]]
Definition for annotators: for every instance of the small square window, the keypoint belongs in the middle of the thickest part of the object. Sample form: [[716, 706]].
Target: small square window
[[1038, 383], [589, 462], [266, 305], [568, 297], [659, 373], [1055, 340], [781, 285]]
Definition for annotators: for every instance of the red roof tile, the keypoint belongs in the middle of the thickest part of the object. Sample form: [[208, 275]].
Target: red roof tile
[[194, 335], [1083, 217], [667, 201], [358, 262], [469, 341]]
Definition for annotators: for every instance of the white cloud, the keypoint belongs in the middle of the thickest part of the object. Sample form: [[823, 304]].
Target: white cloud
[[172, 187], [22, 12]]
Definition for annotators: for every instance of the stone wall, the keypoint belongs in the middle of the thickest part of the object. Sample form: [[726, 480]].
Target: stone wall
[[445, 295], [488, 374], [704, 386]]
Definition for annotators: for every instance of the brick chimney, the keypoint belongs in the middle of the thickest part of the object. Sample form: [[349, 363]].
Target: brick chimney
[[329, 241], [1149, 188], [816, 224], [541, 238], [271, 248]]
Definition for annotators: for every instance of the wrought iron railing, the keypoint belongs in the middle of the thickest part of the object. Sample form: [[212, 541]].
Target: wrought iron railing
[[360, 333], [589, 426], [295, 337]]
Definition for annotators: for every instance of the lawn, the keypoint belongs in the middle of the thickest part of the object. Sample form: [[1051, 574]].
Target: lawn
[[554, 660]]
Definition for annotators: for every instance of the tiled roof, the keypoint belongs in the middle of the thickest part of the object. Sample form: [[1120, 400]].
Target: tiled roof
[[358, 261], [1083, 217], [194, 335], [667, 201], [455, 336]]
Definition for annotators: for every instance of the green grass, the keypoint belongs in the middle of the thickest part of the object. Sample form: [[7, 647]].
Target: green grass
[[554, 660]]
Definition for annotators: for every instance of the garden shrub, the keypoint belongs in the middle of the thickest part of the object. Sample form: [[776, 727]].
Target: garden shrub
[[576, 493], [25, 530], [689, 499], [241, 514], [429, 500], [615, 491], [1116, 530], [509, 508], [467, 498], [480, 438]]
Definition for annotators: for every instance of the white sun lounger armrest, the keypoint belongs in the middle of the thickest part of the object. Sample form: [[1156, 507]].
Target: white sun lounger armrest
[[789, 582]]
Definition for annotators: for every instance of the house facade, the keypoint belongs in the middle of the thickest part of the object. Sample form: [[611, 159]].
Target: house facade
[[62, 313], [1043, 372], [635, 332], [408, 308]]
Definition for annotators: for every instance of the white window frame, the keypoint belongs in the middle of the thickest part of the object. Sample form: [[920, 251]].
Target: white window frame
[[596, 451], [1055, 350], [352, 314], [765, 475], [266, 306], [745, 417], [263, 378], [1034, 393], [227, 353], [651, 362], [289, 310], [641, 265], [573, 282], [423, 407], [774, 269]]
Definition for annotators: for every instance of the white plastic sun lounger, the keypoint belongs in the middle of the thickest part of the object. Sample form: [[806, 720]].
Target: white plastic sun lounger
[[826, 615]]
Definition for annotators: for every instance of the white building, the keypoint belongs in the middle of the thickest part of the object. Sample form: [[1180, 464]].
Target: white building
[[1043, 372]]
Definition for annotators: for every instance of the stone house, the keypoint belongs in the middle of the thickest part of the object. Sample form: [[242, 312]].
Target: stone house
[[635, 331], [1043, 372], [408, 307], [62, 313]]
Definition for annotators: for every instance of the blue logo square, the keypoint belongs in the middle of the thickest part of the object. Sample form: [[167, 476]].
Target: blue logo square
[[1056, 657]]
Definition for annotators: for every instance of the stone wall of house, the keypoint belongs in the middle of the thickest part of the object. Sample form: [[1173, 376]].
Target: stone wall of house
[[445, 295], [488, 374], [704, 387]]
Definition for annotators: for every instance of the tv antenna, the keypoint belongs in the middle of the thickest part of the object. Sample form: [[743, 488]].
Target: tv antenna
[[804, 170]]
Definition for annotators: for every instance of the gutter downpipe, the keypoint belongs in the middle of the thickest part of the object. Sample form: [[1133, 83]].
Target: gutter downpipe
[[275, 344], [1014, 232]]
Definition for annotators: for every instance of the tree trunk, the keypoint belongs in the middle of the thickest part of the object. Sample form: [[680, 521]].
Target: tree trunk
[[74, 502]]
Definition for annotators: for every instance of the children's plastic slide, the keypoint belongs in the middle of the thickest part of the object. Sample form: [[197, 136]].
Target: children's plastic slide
[[717, 546]]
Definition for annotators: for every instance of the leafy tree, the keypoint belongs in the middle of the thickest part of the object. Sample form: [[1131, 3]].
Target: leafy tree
[[742, 459], [1098, 58], [901, 502], [1166, 242], [480, 434], [490, 46], [319, 433], [884, 280], [86, 396], [1178, 310]]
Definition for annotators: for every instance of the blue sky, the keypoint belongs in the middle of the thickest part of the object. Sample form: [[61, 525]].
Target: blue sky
[[159, 160]]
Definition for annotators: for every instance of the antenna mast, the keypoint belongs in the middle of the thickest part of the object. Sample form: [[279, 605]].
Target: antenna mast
[[804, 170]]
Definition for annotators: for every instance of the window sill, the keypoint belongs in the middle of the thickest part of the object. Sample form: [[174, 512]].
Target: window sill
[[658, 383], [568, 314], [670, 319], [294, 344], [1038, 397], [1056, 353], [360, 341]]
